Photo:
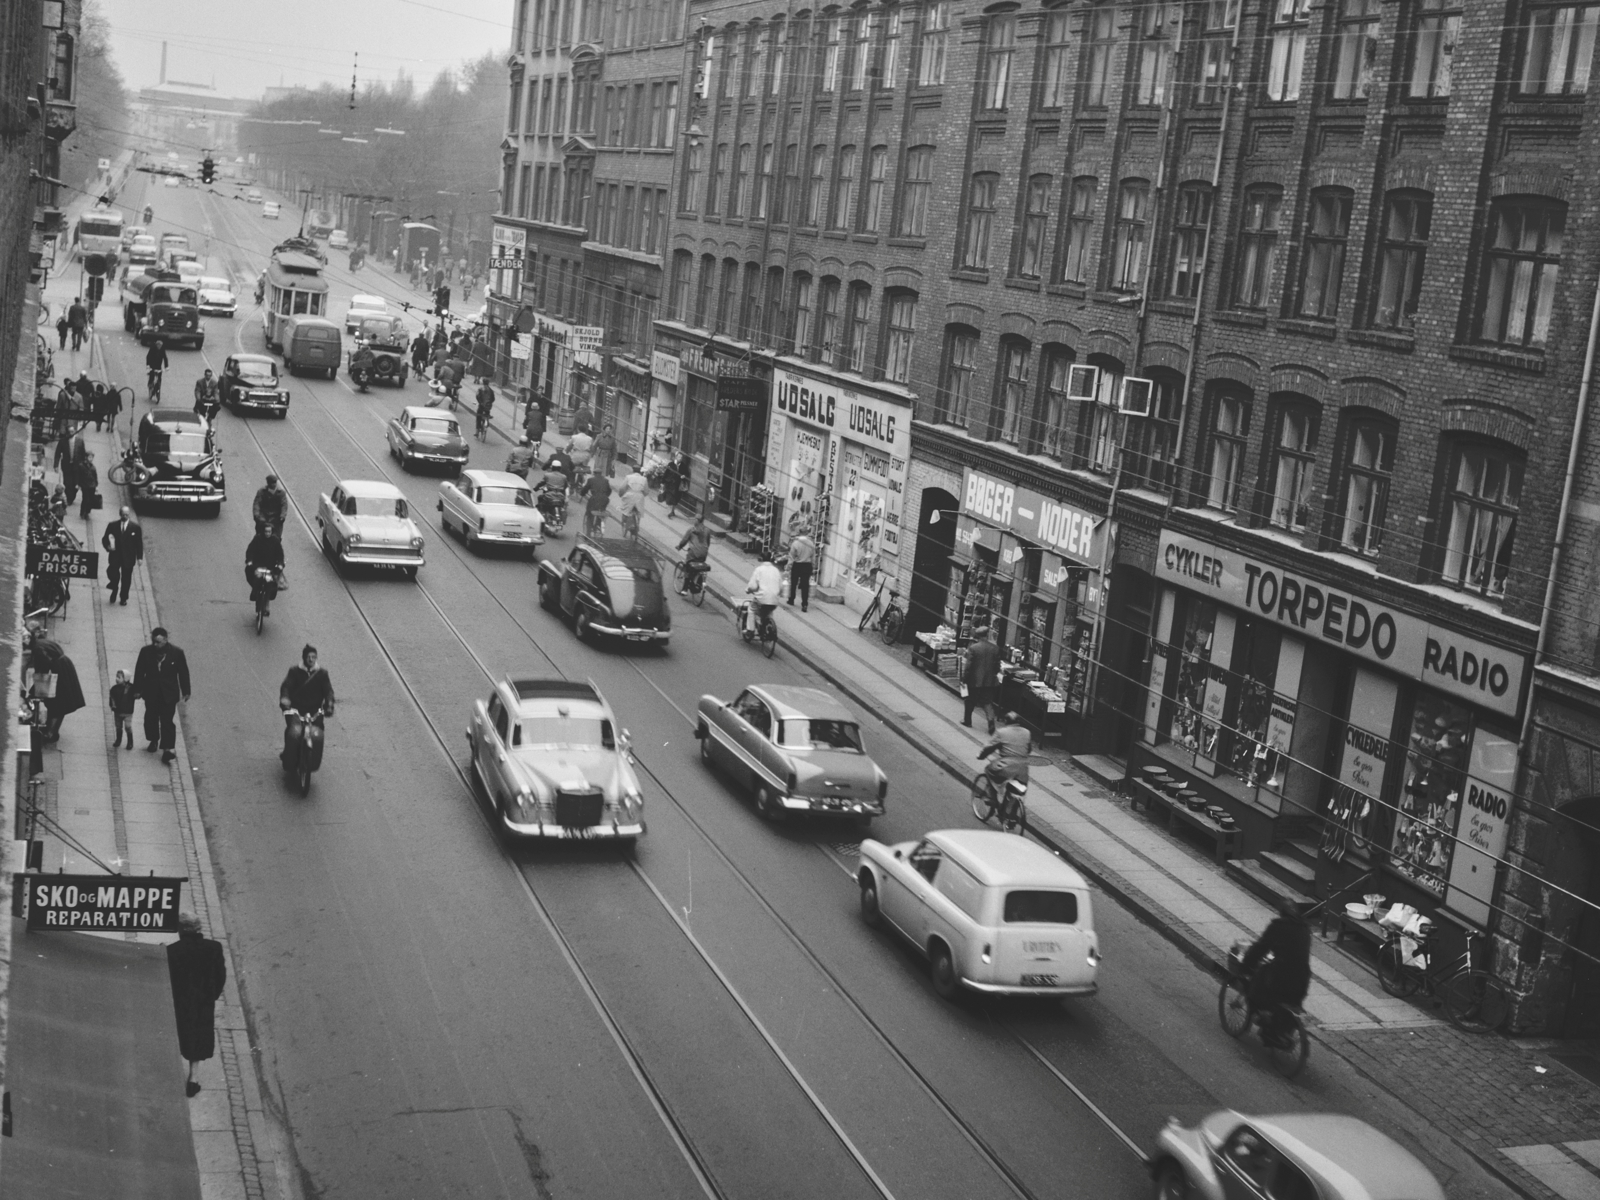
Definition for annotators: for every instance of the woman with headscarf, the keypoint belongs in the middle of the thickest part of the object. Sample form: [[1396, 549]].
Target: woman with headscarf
[[46, 657]]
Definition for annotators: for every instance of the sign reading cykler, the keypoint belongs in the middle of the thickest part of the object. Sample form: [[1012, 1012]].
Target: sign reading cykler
[[1068, 531], [146, 903], [1441, 658], [860, 417]]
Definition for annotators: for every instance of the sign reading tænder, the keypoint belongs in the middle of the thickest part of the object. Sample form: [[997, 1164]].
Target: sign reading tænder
[[136, 903], [1440, 657]]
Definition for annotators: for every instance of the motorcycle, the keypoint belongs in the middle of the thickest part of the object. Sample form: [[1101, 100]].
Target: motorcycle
[[356, 259], [304, 753], [553, 508]]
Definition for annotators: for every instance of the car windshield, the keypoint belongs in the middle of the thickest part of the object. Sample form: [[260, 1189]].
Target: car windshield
[[381, 329], [257, 370], [184, 443], [811, 734], [375, 506], [171, 294], [592, 733], [439, 426], [215, 284], [521, 497], [1041, 908]]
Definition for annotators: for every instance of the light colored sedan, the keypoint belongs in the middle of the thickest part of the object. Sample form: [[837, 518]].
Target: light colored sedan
[[363, 306], [216, 296], [1301, 1156], [338, 240], [492, 508], [797, 748], [367, 522]]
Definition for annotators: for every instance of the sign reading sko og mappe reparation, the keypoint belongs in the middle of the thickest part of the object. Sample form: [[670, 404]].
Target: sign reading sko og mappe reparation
[[1440, 657], [135, 903]]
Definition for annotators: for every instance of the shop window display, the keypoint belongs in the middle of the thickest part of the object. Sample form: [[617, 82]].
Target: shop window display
[[1246, 754], [1194, 669], [1430, 795]]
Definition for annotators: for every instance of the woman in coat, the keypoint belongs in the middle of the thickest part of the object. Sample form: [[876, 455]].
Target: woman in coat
[[46, 657]]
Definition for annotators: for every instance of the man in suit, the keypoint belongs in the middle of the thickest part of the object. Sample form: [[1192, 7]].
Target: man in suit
[[161, 676], [982, 676], [124, 546]]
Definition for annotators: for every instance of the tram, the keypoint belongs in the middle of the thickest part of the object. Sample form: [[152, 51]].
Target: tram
[[294, 287]]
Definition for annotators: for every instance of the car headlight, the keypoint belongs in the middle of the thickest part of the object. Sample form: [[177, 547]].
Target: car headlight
[[355, 539], [416, 542], [632, 802]]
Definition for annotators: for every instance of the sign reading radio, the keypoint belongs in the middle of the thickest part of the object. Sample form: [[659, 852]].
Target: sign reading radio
[[1068, 531], [144, 902], [1437, 656]]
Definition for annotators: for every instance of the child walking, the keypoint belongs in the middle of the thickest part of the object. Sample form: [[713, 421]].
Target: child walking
[[122, 708]]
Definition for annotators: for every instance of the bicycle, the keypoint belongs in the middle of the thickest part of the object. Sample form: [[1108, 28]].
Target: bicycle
[[890, 621], [750, 628], [1288, 1051], [263, 578], [1473, 999], [483, 425], [594, 523], [1011, 809], [130, 472], [630, 526], [690, 584], [154, 382]]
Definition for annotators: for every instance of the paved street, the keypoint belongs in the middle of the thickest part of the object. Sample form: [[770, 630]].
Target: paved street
[[435, 1013]]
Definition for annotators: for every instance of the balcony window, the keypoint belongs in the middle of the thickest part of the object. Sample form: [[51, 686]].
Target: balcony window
[[1481, 518]]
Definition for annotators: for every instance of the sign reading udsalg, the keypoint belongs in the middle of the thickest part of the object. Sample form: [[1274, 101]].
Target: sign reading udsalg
[[132, 903]]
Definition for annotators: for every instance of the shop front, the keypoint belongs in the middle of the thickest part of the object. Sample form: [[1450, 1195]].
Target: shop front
[[1315, 710], [1027, 567], [503, 298], [724, 440], [550, 359], [665, 372], [627, 405], [836, 460]]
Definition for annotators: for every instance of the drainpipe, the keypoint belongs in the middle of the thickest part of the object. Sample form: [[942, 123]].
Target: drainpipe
[[1573, 450]]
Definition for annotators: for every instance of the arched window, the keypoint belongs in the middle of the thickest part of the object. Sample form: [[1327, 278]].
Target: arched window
[[805, 305], [1407, 222], [1482, 496], [1230, 426], [830, 349], [953, 403], [1150, 445], [1011, 390], [915, 192], [981, 199], [1367, 464], [704, 291], [682, 268], [1052, 427], [1097, 395], [1030, 235], [900, 320], [859, 333], [1292, 462]]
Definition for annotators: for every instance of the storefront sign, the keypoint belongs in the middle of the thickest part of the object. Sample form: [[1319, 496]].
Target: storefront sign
[[551, 331], [741, 393], [1442, 658], [147, 903], [54, 560], [521, 347], [510, 235], [1485, 821], [1068, 531], [665, 367], [862, 418], [588, 338]]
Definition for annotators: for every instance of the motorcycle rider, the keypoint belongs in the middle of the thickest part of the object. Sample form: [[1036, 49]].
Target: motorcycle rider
[[207, 395], [559, 464], [1278, 968], [766, 586], [307, 689], [521, 459], [362, 363], [271, 506], [696, 545], [264, 552], [1011, 744]]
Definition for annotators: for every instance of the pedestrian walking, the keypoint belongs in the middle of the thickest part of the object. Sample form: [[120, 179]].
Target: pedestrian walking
[[583, 420], [121, 700], [89, 481], [123, 542], [981, 676], [62, 329], [198, 973], [78, 322], [59, 503], [802, 558], [54, 680], [161, 677], [104, 404], [72, 469], [605, 451]]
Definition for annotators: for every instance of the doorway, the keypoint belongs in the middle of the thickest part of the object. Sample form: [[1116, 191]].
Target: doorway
[[930, 566]]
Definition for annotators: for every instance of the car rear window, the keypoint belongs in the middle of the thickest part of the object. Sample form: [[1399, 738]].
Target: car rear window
[[521, 497], [442, 426], [615, 568], [568, 732], [1041, 908], [316, 333], [805, 733]]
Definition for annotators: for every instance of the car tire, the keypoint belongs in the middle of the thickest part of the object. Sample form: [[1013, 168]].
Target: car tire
[[767, 804], [871, 912], [548, 599], [583, 627], [212, 510], [409, 572], [705, 748], [1171, 1182], [943, 969]]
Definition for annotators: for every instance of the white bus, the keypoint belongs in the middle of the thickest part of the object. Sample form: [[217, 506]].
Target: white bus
[[100, 232]]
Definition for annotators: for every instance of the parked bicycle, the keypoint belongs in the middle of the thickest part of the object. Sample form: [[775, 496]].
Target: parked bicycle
[[1288, 1046], [888, 619], [1473, 999]]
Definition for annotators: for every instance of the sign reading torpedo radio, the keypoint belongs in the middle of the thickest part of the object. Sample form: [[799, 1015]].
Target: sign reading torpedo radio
[[1432, 654], [1070, 532]]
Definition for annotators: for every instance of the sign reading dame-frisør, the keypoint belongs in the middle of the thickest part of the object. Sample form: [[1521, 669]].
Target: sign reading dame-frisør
[[1441, 658], [143, 903]]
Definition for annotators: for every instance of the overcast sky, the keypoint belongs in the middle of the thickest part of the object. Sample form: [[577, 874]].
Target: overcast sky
[[244, 46]]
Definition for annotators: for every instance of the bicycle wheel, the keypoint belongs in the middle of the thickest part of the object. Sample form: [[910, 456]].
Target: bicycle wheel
[[1393, 975], [1475, 1001], [680, 579], [769, 637], [1014, 817], [1233, 1010], [1290, 1058], [983, 806], [892, 621], [49, 593], [261, 617]]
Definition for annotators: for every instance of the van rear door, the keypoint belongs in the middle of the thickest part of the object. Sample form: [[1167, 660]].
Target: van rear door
[[1045, 938]]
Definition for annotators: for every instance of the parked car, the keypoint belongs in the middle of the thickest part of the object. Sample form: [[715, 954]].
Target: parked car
[[796, 748], [550, 759], [608, 587], [216, 297], [310, 344], [338, 239], [1300, 1156], [992, 911], [426, 435], [386, 337], [250, 384], [368, 522], [491, 508], [270, 210], [363, 306]]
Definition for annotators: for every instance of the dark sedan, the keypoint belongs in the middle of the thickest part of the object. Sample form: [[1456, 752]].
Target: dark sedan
[[608, 587], [250, 384]]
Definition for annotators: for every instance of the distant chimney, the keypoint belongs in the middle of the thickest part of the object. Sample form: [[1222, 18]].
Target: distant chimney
[[163, 62]]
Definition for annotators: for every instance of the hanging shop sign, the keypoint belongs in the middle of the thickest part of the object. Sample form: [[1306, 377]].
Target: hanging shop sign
[[56, 560], [741, 393], [665, 367], [1440, 657], [1069, 531], [588, 338], [864, 418], [521, 347], [146, 903], [1485, 822], [551, 331]]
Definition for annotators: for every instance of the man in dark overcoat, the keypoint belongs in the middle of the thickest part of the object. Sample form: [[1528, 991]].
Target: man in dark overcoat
[[198, 972], [161, 676]]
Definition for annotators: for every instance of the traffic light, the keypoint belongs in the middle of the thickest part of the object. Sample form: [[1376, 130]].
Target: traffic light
[[441, 300], [97, 288], [208, 170]]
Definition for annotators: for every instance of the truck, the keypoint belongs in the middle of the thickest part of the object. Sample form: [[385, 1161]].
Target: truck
[[320, 223], [158, 306]]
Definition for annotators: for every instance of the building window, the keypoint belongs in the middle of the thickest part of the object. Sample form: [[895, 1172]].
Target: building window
[[877, 167], [931, 43], [560, 119], [902, 334], [669, 127], [772, 309], [999, 50], [830, 54], [1191, 224], [1327, 233], [1080, 230], [694, 168], [1258, 247], [892, 26], [678, 303], [960, 364], [860, 330], [1290, 29], [1232, 425], [1520, 268], [1057, 71], [1369, 461], [1030, 237], [525, 190], [1053, 427], [1216, 49], [829, 348], [1097, 432], [1127, 261], [1100, 40], [915, 192], [763, 201], [719, 178], [729, 84], [860, 51], [1355, 49], [703, 292], [779, 52], [514, 117], [819, 180], [739, 199], [844, 188], [1151, 442], [1558, 49], [750, 303], [1155, 54], [1433, 45], [1005, 415], [1294, 467], [727, 296], [980, 220], [757, 69], [787, 203], [804, 300], [1481, 517], [1406, 222]]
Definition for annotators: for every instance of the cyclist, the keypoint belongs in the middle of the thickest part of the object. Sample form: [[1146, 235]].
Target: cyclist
[[419, 354], [264, 552], [520, 461], [1278, 971], [271, 506], [765, 586], [696, 545], [207, 395], [155, 360], [598, 490], [485, 397], [631, 503], [1011, 744]]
